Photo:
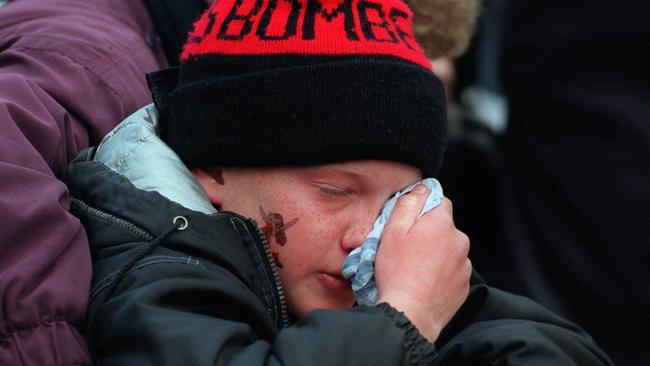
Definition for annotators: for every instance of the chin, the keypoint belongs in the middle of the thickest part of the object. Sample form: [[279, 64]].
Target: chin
[[324, 304]]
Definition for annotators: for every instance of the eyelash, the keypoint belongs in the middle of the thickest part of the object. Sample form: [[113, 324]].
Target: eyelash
[[332, 192]]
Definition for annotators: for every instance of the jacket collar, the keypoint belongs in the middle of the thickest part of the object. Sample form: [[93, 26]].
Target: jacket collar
[[134, 150]]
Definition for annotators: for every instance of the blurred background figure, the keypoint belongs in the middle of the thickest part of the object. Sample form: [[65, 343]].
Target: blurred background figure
[[549, 161], [70, 70]]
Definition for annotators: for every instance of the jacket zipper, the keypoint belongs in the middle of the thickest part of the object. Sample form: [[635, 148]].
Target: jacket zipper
[[283, 319], [130, 227], [275, 274]]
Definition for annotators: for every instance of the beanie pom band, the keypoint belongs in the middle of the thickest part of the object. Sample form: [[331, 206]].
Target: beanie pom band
[[307, 27]]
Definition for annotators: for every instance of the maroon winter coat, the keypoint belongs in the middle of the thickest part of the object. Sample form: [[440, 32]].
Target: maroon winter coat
[[70, 70]]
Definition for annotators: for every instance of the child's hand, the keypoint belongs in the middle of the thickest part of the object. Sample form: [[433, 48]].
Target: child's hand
[[422, 267]]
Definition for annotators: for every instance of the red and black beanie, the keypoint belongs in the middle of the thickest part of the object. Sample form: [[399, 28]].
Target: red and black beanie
[[305, 82]]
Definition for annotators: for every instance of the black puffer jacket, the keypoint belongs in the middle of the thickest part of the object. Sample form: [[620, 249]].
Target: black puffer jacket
[[174, 286]]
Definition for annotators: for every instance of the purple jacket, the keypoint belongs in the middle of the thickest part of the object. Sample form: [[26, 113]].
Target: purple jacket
[[70, 70]]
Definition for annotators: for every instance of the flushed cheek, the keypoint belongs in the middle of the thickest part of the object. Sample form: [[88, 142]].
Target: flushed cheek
[[328, 231], [293, 266]]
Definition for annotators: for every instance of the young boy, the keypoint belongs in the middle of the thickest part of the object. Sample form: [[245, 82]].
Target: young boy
[[305, 116]]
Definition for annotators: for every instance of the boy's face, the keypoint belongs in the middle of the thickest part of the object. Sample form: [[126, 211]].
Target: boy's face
[[313, 217]]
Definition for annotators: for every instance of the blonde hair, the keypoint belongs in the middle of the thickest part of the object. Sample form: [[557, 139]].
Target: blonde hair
[[444, 28]]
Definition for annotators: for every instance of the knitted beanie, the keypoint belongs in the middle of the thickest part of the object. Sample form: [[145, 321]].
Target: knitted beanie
[[305, 82]]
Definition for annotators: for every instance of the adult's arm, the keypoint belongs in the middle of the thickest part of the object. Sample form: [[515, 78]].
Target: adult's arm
[[68, 73]]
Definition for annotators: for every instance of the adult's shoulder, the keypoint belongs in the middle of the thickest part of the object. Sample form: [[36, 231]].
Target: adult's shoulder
[[75, 49], [64, 25]]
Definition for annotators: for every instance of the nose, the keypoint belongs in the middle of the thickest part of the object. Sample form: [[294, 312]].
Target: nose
[[357, 231]]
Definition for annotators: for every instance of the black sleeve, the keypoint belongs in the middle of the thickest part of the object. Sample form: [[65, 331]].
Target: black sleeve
[[172, 309], [498, 328]]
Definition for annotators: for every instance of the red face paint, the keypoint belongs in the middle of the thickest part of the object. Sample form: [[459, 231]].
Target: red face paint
[[275, 227]]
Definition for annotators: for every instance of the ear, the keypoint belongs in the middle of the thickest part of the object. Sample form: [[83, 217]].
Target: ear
[[212, 183]]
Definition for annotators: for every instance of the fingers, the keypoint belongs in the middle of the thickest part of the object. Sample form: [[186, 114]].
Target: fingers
[[408, 208]]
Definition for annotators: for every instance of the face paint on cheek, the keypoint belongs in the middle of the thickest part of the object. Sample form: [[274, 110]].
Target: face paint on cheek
[[274, 230], [275, 227]]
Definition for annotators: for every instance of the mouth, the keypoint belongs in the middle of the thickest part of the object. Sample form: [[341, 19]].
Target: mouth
[[334, 282]]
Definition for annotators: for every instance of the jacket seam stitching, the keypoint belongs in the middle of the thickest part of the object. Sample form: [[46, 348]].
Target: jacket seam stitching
[[7, 337], [147, 262], [127, 155], [169, 258]]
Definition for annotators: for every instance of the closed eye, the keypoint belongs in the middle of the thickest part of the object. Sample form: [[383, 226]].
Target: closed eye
[[334, 192]]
